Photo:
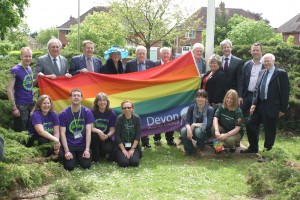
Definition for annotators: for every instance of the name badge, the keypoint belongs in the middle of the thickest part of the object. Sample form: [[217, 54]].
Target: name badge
[[77, 134], [127, 145]]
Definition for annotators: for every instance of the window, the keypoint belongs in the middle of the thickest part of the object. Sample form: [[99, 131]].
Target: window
[[190, 34], [186, 49]]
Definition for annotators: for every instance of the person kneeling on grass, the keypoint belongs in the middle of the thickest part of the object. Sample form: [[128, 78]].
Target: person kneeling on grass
[[44, 124], [228, 121], [128, 135], [75, 128], [198, 123]]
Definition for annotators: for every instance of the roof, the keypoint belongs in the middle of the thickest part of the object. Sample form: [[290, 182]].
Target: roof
[[202, 13], [73, 20], [291, 26]]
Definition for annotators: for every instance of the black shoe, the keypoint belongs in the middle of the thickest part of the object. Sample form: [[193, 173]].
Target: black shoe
[[172, 143], [208, 142], [262, 159], [248, 151], [147, 145], [157, 142], [231, 150]]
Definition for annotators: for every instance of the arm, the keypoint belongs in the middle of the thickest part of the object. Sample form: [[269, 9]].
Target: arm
[[11, 98], [54, 138], [68, 154], [88, 129], [284, 92], [216, 127]]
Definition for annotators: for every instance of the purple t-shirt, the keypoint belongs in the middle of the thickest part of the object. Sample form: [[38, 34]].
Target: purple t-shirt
[[23, 84], [75, 125], [103, 121], [48, 122]]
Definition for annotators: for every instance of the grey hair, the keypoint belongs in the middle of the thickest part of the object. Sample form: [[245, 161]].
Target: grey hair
[[226, 41], [54, 40], [198, 45], [217, 58]]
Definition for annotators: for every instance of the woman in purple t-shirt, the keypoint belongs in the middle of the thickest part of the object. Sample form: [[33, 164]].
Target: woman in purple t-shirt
[[103, 128], [44, 124]]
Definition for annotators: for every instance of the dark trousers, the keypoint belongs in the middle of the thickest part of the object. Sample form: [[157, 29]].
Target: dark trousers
[[169, 136], [101, 148], [247, 102], [77, 153], [123, 161], [21, 122], [145, 140], [1, 149], [252, 127]]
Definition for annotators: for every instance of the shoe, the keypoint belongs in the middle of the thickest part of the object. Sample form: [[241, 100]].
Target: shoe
[[208, 142], [157, 142], [248, 151], [262, 159], [231, 150], [172, 143], [147, 145]]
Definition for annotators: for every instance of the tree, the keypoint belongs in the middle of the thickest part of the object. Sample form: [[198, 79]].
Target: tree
[[18, 36], [150, 22], [247, 31], [11, 14], [102, 28], [45, 35]]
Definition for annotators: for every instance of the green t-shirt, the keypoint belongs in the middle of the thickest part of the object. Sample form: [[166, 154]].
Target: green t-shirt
[[229, 119]]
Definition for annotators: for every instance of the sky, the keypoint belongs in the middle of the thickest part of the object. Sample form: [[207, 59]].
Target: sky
[[43, 14]]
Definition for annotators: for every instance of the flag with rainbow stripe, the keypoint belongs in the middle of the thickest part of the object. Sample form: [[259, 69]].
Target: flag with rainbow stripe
[[161, 94]]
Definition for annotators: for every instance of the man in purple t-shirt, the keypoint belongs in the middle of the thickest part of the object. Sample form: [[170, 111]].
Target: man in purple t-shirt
[[75, 128], [20, 90]]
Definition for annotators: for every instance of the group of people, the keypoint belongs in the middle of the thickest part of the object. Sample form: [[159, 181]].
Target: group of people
[[226, 93], [229, 92]]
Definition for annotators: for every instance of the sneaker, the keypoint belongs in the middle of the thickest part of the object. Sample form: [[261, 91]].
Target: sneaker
[[157, 142]]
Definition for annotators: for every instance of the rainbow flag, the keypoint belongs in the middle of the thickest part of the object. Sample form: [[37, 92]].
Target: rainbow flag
[[161, 94]]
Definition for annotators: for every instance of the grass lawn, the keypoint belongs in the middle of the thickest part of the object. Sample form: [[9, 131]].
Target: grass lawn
[[164, 173]]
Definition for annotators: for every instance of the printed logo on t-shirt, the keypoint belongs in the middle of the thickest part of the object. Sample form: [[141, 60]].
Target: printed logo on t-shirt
[[48, 126], [101, 124], [27, 82], [76, 127]]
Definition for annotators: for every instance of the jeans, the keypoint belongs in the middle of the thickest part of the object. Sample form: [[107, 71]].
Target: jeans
[[21, 123], [198, 134]]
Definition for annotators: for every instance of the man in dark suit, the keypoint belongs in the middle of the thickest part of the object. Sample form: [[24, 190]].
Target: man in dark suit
[[85, 62], [165, 54], [231, 65], [139, 64], [270, 101], [198, 50], [51, 65], [249, 78]]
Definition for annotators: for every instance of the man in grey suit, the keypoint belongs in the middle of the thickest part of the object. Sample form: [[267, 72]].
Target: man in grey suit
[[270, 101], [139, 64], [51, 65], [198, 50], [85, 62], [231, 65]]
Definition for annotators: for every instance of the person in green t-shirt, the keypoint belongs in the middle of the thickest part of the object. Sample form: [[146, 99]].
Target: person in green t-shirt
[[228, 121]]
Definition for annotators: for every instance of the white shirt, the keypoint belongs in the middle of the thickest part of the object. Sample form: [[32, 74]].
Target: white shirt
[[254, 76]]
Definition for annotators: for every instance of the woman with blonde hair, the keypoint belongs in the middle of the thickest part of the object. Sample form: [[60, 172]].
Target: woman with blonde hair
[[228, 121], [44, 124]]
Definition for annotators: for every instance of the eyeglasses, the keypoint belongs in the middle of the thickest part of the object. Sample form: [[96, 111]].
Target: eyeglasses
[[126, 108]]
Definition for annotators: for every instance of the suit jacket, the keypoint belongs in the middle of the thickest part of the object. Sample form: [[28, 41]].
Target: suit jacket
[[203, 62], [215, 87], [109, 67], [277, 95], [234, 72], [245, 78], [45, 65], [79, 62], [131, 65]]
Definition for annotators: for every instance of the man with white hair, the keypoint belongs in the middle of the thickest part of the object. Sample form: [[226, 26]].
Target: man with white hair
[[166, 55], [198, 50], [270, 102], [139, 64]]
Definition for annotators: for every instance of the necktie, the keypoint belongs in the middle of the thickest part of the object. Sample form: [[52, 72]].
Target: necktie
[[55, 64], [226, 65], [141, 66], [89, 65], [263, 86]]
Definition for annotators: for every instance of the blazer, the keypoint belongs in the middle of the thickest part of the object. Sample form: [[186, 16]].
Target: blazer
[[234, 72], [245, 78], [131, 65], [215, 87], [203, 62], [278, 92], [45, 65], [109, 67], [78, 63]]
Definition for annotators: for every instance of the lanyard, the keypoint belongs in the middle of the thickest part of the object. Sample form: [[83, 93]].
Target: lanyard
[[29, 75], [128, 124], [76, 121]]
